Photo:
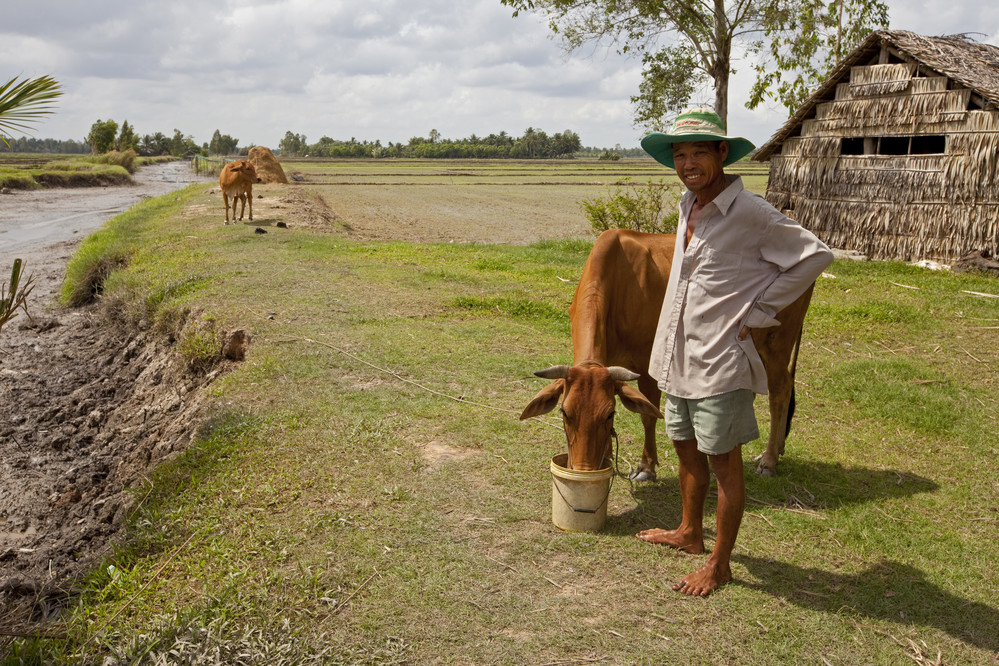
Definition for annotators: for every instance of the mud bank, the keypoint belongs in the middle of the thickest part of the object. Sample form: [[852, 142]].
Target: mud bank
[[85, 409]]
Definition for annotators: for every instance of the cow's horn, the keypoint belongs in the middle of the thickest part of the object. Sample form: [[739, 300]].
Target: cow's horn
[[620, 374], [554, 372]]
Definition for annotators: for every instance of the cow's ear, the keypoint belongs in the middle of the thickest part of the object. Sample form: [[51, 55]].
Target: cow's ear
[[635, 400], [545, 401]]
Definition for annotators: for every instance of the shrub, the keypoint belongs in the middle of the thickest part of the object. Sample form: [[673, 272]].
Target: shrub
[[125, 159], [609, 155], [652, 209]]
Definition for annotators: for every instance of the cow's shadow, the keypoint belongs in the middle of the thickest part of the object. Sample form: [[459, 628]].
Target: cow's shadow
[[888, 591], [799, 485], [260, 222]]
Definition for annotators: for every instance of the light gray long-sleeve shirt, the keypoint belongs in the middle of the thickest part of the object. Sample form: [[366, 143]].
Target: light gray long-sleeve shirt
[[745, 263]]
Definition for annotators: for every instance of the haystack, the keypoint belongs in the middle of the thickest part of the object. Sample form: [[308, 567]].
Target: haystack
[[268, 168]]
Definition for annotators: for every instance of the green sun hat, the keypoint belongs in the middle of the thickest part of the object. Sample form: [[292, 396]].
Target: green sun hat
[[695, 125]]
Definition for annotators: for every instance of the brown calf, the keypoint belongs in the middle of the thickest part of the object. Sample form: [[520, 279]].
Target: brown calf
[[236, 180]]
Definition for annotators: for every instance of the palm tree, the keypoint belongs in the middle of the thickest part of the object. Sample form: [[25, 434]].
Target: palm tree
[[22, 103]]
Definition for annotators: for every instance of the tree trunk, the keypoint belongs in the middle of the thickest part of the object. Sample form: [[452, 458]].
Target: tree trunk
[[722, 61]]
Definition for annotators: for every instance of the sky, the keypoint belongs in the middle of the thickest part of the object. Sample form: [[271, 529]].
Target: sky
[[365, 69]]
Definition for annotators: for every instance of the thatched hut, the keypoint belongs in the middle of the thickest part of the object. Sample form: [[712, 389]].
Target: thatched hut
[[896, 154]]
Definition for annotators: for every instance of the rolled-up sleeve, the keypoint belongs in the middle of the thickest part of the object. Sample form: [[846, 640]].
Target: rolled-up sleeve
[[800, 258]]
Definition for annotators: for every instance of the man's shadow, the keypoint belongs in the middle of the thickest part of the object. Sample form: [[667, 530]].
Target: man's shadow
[[799, 485], [889, 591]]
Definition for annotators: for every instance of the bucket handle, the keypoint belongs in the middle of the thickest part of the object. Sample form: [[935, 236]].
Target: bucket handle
[[599, 506]]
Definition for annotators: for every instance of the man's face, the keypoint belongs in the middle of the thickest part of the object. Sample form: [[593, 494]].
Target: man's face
[[699, 164]]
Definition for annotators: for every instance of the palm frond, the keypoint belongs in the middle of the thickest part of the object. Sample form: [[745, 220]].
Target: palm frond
[[23, 103]]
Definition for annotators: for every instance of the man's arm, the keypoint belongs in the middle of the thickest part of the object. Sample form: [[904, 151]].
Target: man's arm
[[800, 257]]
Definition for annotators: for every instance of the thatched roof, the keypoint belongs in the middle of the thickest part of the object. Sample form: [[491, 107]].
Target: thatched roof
[[968, 63]]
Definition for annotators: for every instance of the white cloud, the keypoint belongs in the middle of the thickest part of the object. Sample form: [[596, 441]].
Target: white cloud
[[381, 69]]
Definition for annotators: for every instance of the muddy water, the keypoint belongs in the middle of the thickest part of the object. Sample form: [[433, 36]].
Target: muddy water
[[43, 227], [31, 218]]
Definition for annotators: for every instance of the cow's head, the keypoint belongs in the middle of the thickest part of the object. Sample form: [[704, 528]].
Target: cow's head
[[587, 391], [247, 169]]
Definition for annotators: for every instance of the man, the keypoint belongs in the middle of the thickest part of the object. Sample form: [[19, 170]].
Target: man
[[738, 262]]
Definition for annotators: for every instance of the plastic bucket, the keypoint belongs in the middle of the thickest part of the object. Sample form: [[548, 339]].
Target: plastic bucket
[[579, 498]]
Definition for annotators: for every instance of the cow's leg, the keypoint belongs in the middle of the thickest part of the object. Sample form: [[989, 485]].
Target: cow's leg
[[249, 195], [779, 386], [650, 458], [242, 206], [225, 201]]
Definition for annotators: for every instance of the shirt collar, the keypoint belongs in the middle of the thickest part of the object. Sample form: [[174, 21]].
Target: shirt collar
[[723, 201]]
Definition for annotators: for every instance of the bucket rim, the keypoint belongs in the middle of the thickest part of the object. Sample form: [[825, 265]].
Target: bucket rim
[[564, 473], [559, 465]]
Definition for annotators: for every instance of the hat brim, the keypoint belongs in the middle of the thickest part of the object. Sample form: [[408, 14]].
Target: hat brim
[[660, 146]]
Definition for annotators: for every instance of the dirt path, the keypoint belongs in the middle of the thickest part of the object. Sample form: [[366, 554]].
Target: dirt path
[[84, 409]]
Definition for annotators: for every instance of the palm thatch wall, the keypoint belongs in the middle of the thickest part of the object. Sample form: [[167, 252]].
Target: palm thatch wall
[[897, 154]]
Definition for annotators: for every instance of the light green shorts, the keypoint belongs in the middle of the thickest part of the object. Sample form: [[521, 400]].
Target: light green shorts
[[719, 423]]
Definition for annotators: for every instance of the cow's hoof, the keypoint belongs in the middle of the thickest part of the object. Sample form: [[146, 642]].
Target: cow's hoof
[[642, 475], [763, 470]]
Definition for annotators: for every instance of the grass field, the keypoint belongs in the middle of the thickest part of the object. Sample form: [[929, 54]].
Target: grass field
[[364, 492]]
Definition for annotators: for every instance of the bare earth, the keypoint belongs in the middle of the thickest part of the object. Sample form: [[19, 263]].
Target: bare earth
[[84, 410]]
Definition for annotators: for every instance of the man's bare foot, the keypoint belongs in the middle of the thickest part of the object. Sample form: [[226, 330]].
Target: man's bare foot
[[673, 539], [705, 580]]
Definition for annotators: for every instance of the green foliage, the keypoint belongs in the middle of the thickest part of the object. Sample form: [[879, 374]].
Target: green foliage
[[154, 144], [26, 144], [22, 104], [700, 37], [609, 156], [802, 40], [102, 136], [222, 144], [14, 294], [669, 77], [126, 139], [293, 145], [651, 209]]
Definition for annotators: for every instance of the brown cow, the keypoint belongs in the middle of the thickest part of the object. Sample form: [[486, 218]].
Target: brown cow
[[613, 323], [236, 180], [614, 316]]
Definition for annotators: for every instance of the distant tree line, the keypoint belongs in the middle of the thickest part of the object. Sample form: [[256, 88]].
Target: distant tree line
[[533, 144], [27, 145], [108, 135]]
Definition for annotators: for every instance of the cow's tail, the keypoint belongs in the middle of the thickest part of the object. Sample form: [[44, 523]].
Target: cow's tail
[[794, 365]]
